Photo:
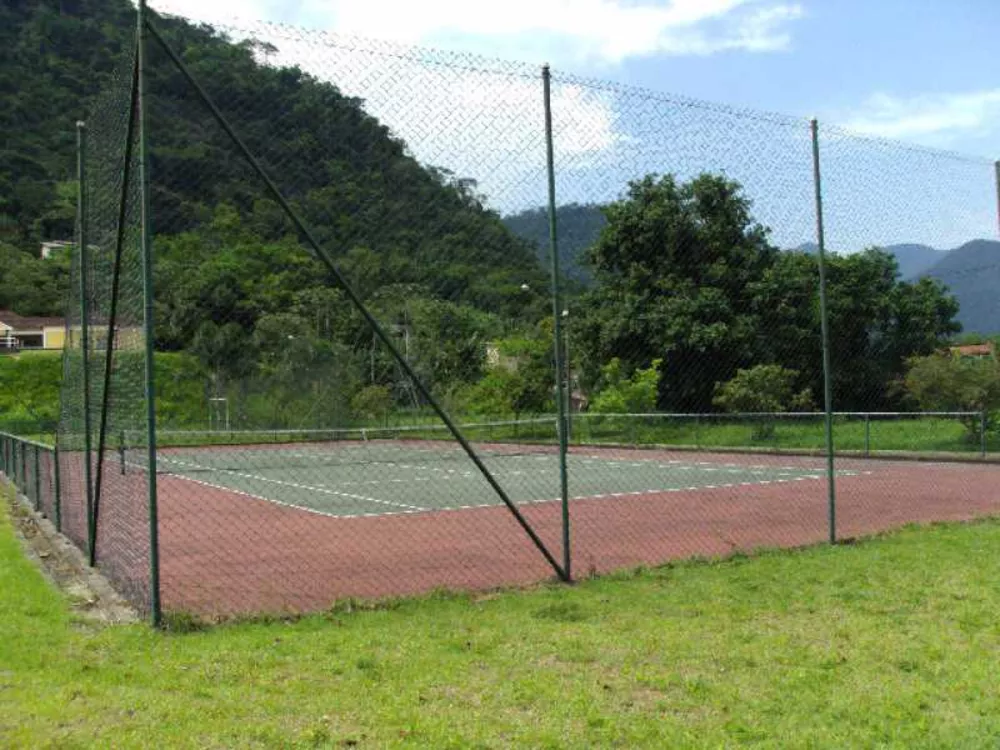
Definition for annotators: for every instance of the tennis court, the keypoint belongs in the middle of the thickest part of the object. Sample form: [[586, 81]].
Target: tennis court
[[378, 476], [293, 521]]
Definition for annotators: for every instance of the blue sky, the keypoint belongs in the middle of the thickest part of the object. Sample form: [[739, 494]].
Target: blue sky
[[922, 70], [917, 71]]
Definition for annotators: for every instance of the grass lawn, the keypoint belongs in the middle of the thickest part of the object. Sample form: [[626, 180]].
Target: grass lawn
[[893, 642]]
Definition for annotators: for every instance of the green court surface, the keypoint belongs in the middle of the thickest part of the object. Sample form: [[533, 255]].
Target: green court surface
[[360, 480]]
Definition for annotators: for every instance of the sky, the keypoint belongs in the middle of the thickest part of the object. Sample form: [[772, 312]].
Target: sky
[[915, 71]]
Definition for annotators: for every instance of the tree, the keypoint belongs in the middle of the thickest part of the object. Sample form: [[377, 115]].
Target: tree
[[685, 274], [942, 382], [524, 386], [674, 267], [372, 403], [620, 395], [30, 285], [762, 389]]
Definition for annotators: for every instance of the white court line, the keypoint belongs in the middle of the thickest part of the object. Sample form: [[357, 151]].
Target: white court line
[[295, 485], [635, 493], [410, 509]]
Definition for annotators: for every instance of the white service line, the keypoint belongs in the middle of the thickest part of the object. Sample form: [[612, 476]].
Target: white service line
[[295, 485]]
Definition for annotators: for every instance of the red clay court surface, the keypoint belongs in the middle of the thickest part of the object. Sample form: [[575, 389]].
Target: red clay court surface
[[224, 552]]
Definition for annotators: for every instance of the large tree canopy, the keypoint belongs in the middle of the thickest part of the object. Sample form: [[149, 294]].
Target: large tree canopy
[[685, 274], [675, 267]]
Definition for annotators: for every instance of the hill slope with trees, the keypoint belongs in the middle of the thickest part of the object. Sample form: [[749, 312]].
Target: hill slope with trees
[[684, 287]]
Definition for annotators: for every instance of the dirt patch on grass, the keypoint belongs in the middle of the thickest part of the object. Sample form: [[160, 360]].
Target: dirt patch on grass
[[89, 593]]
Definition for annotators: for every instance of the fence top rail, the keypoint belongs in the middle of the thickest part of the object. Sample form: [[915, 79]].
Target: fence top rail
[[775, 414], [358, 430], [27, 441]]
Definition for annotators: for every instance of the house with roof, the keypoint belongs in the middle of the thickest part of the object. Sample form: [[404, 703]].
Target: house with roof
[[974, 351], [19, 332]]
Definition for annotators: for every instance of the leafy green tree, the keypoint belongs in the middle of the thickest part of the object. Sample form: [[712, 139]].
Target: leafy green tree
[[372, 403], [620, 395], [674, 267], [685, 274], [30, 285], [762, 389], [521, 384], [226, 351]]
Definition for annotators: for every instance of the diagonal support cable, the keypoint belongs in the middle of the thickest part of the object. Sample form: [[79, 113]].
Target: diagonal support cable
[[327, 260], [113, 312]]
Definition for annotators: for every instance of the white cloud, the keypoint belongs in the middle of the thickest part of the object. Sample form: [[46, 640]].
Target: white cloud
[[932, 118], [604, 31], [484, 123]]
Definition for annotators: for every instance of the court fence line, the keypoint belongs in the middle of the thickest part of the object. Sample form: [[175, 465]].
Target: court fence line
[[510, 139]]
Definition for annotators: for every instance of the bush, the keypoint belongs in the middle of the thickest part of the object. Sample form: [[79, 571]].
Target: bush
[[766, 389], [372, 403], [942, 382], [620, 395]]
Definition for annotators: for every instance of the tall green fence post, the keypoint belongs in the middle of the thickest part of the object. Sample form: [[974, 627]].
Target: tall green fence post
[[23, 477], [825, 334], [148, 328], [982, 433], [560, 366], [83, 254]]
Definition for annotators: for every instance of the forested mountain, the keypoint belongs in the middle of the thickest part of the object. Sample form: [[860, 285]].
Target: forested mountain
[[972, 273], [354, 182], [913, 260], [577, 226]]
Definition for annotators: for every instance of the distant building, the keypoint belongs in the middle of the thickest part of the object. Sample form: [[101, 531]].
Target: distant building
[[53, 246], [497, 360], [18, 332], [974, 351]]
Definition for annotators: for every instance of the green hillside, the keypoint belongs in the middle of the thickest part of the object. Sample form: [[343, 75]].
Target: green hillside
[[233, 282], [578, 227], [29, 396]]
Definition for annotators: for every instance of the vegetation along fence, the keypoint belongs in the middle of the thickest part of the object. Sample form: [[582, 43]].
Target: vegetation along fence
[[433, 320]]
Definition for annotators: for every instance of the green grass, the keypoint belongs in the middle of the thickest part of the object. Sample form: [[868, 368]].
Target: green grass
[[890, 643]]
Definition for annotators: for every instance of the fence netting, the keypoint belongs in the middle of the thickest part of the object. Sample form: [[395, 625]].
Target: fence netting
[[105, 508], [889, 344], [326, 471], [357, 376]]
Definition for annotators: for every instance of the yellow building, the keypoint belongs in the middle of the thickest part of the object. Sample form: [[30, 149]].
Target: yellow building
[[18, 332]]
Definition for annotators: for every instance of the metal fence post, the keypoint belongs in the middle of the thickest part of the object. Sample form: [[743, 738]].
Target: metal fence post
[[148, 329], [868, 435], [38, 477], [824, 333], [83, 253], [560, 368], [56, 489], [982, 433]]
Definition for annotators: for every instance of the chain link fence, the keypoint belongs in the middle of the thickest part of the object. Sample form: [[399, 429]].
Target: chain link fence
[[372, 378]]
